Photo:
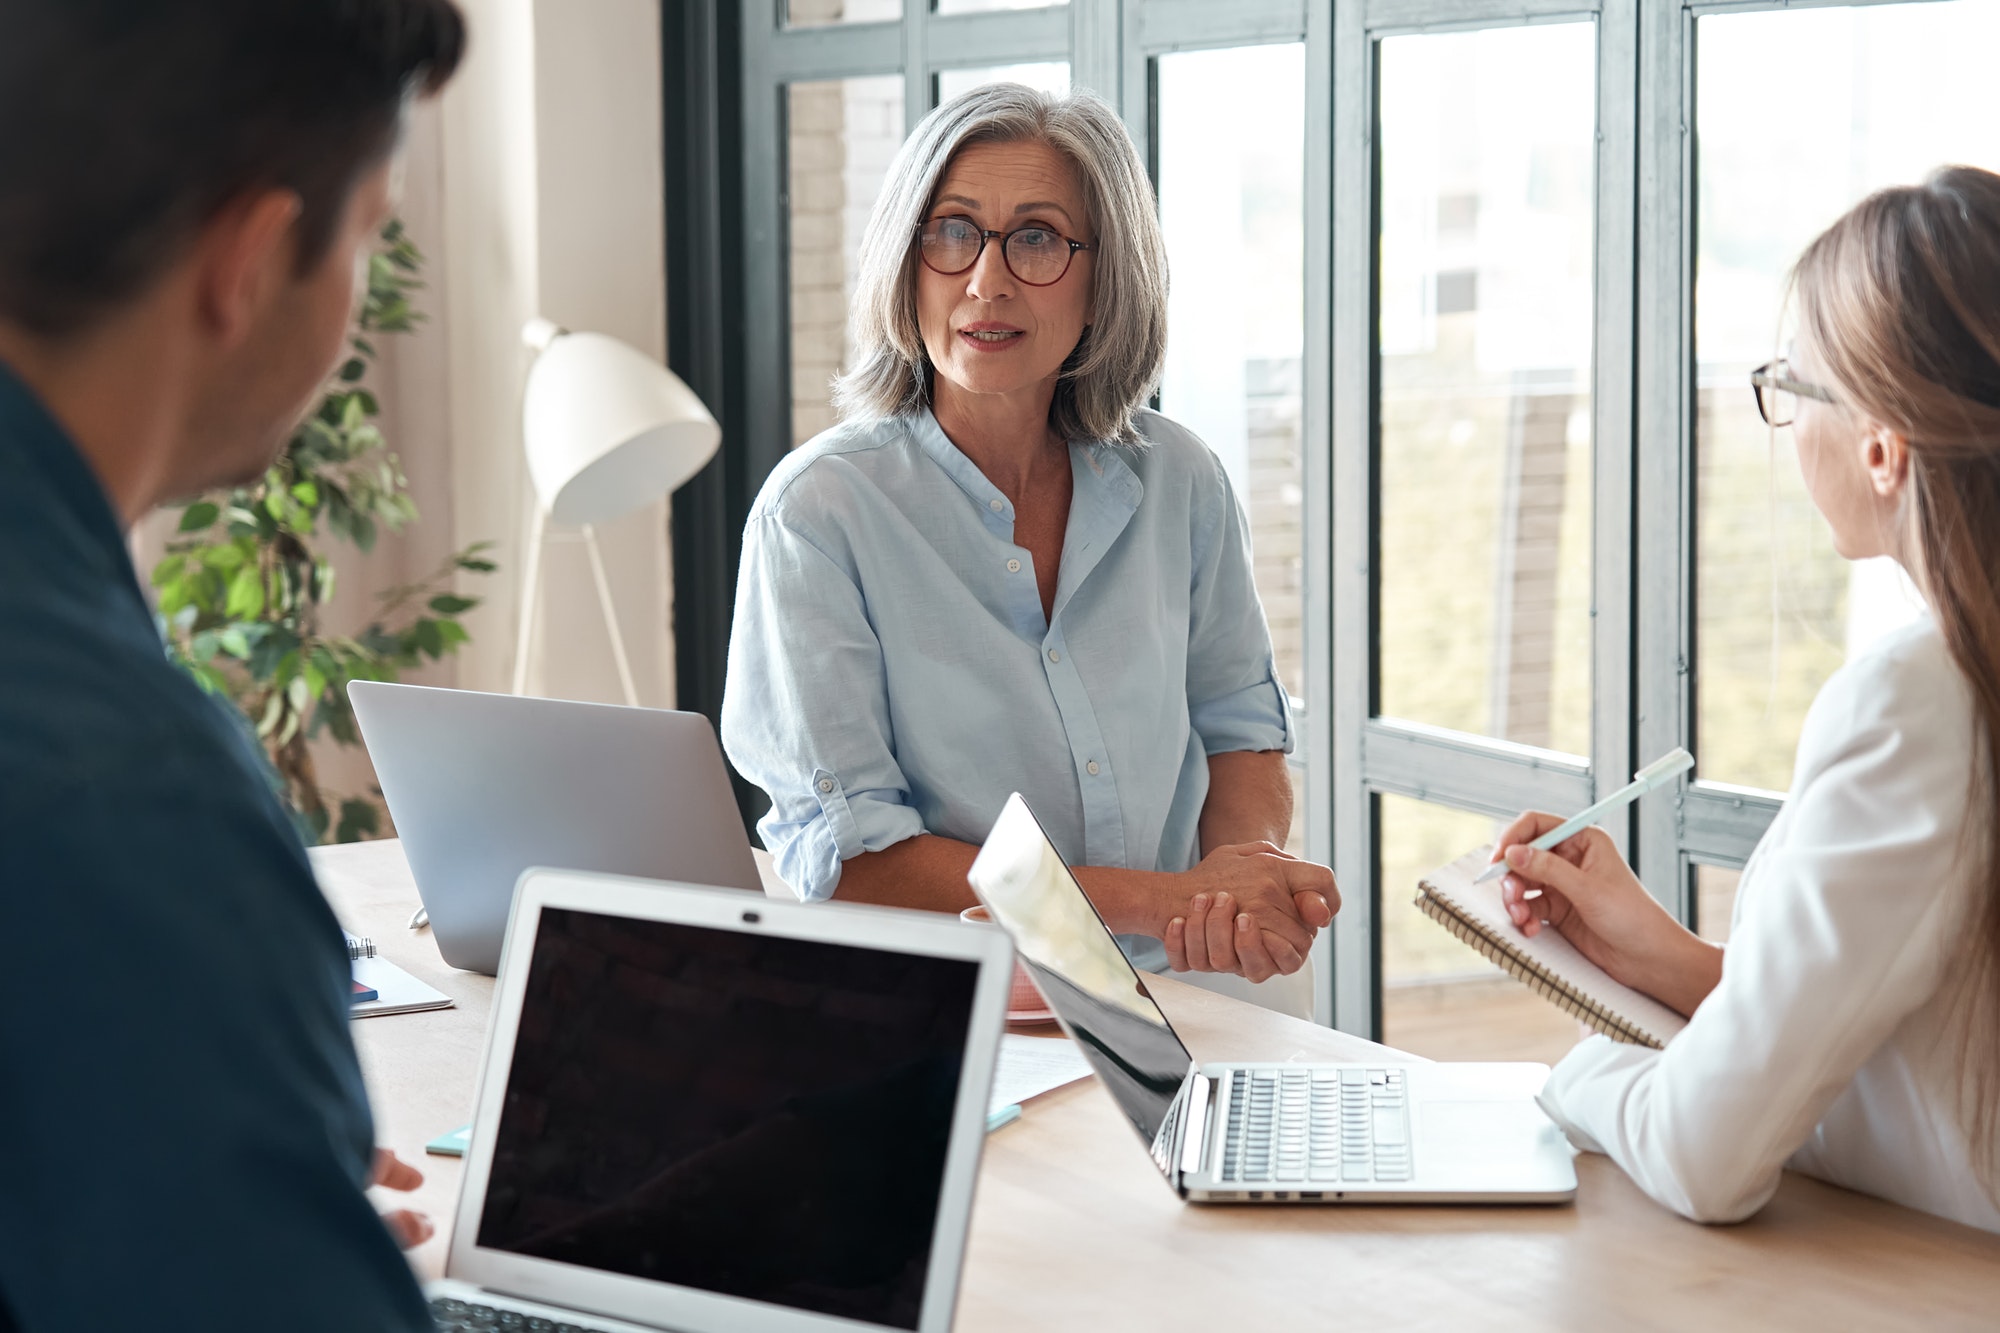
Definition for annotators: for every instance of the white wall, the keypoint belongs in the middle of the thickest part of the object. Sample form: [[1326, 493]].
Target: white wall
[[532, 186], [552, 205]]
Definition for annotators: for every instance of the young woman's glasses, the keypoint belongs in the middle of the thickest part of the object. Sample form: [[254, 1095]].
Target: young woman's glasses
[[1038, 256], [1778, 393]]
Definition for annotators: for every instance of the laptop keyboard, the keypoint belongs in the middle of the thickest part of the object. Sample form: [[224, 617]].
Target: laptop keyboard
[[1335, 1127], [456, 1316]]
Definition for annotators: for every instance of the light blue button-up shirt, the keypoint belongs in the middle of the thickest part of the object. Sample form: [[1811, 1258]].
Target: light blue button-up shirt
[[891, 671]]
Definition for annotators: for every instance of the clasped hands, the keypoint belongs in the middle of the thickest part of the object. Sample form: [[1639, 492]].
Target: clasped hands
[[1250, 908]]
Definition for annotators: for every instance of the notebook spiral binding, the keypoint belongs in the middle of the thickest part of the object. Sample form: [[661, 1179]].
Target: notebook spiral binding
[[1530, 974]]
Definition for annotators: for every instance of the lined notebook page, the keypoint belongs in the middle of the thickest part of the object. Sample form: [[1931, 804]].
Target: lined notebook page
[[1548, 963]]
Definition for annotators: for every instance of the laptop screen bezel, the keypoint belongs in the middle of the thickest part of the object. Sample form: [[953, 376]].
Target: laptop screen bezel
[[1018, 821], [648, 1302]]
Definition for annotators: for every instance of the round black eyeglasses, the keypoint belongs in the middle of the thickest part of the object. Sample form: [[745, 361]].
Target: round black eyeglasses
[[1038, 256]]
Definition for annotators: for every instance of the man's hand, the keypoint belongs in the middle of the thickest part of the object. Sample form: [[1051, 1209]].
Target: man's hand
[[1251, 909], [409, 1227]]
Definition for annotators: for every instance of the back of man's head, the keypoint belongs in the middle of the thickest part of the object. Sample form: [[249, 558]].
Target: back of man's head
[[129, 123]]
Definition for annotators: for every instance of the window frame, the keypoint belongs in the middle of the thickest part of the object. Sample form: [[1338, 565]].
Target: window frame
[[729, 331]]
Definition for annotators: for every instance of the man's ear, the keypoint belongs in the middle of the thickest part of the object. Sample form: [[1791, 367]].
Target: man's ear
[[244, 256], [1885, 455]]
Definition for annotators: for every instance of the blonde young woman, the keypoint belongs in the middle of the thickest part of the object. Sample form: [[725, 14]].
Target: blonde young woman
[[1849, 1030], [1001, 573]]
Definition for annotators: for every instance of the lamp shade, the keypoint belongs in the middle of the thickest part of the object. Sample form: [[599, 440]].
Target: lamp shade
[[607, 428]]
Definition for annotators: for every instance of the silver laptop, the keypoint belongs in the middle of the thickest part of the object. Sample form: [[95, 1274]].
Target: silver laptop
[[703, 1113], [1265, 1133], [482, 786]]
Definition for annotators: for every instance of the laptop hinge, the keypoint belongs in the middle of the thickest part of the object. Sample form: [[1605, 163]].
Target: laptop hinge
[[1194, 1125]]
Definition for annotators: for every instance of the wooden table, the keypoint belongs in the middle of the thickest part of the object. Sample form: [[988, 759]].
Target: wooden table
[[1073, 1227]]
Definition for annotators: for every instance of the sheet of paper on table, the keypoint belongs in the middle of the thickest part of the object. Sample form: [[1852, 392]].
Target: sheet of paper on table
[[1030, 1066]]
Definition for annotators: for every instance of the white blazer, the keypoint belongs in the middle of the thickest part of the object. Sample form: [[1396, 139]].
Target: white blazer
[[1827, 1045]]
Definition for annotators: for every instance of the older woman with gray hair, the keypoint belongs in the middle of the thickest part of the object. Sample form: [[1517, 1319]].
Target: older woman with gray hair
[[1001, 573]]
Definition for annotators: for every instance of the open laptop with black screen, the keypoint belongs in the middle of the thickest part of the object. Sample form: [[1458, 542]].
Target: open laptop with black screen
[[703, 1113], [1264, 1133]]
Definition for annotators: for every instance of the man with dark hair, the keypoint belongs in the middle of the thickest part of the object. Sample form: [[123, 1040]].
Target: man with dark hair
[[185, 189]]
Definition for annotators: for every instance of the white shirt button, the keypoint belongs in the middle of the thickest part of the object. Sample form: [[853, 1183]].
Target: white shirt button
[[1054, 656], [996, 505], [1013, 566], [826, 784], [1091, 768]]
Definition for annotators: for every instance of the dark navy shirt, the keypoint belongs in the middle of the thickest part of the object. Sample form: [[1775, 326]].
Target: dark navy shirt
[[184, 1135]]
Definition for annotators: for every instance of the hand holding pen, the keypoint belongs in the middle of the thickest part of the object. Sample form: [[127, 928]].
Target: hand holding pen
[[1566, 874]]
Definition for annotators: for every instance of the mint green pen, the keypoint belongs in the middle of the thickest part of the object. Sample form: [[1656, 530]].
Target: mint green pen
[[1656, 774], [1006, 1115]]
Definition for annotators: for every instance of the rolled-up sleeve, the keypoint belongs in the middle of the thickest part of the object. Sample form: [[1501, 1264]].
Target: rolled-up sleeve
[[1235, 700], [805, 713]]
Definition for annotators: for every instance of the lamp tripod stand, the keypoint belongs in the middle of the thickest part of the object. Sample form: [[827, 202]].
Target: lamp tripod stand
[[531, 580]]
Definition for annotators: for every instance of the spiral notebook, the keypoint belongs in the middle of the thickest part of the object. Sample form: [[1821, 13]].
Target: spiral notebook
[[380, 987], [1547, 963]]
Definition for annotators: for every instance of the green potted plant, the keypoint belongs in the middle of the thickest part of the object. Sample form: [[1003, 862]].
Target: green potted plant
[[245, 582]]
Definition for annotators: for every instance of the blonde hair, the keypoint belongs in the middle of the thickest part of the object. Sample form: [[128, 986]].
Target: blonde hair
[[1111, 373], [1901, 300]]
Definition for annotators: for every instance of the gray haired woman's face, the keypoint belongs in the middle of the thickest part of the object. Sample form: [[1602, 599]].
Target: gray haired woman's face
[[987, 331]]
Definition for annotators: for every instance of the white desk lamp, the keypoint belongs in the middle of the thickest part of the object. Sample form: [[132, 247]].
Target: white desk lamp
[[608, 429]]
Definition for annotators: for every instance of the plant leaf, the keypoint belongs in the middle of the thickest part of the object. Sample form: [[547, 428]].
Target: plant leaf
[[202, 514], [273, 707], [246, 595]]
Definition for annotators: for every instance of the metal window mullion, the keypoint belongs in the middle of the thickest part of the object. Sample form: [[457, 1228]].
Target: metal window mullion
[[1316, 441], [1469, 772], [1012, 37], [1665, 461], [767, 427], [1095, 47], [1721, 824], [1135, 101], [802, 55], [919, 84], [1612, 396], [1703, 8], [1355, 989], [1189, 25], [1386, 17]]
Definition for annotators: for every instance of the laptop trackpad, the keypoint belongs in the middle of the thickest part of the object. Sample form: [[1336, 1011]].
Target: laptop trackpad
[[1487, 1141]]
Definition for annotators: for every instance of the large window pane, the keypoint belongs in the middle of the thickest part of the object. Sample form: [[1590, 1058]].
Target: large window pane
[[820, 13], [1231, 140], [1439, 998], [1487, 188], [1798, 115], [1051, 76], [841, 135]]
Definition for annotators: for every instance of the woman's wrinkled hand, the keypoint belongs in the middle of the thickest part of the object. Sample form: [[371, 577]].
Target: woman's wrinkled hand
[[1251, 909]]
